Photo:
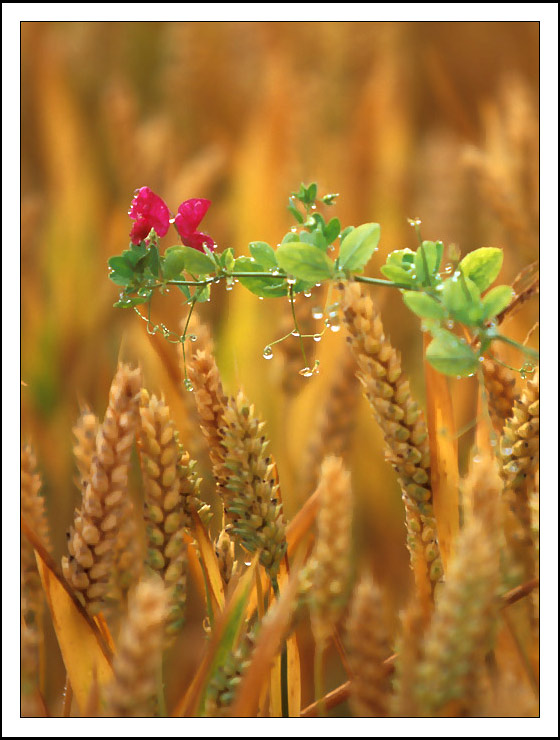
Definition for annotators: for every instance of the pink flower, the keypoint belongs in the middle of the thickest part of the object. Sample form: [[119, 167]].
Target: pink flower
[[191, 213], [149, 212]]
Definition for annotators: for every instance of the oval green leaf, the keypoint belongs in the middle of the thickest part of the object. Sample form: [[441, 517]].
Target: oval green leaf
[[398, 275], [426, 262], [451, 355], [263, 254], [358, 246], [482, 266], [423, 305], [461, 298], [496, 300], [197, 263], [173, 265], [304, 261]]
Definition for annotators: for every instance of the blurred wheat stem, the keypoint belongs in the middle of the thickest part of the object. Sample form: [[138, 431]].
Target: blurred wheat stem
[[342, 692]]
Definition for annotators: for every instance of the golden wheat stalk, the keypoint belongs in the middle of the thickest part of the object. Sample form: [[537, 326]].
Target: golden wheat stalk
[[91, 544], [519, 448], [138, 655], [404, 428], [327, 574], [368, 648], [164, 508], [332, 431], [462, 627], [252, 508], [85, 432]]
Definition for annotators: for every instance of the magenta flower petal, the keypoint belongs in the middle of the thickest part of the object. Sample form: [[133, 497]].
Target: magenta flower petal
[[149, 211], [191, 212], [197, 239]]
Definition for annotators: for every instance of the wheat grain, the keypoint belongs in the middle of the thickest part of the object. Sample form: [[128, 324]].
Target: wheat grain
[[500, 386]]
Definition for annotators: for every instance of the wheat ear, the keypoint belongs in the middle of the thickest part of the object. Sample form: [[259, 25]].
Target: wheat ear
[[139, 651], [500, 387], [368, 647], [89, 565], [404, 428], [252, 508], [224, 682], [85, 432], [519, 447], [335, 420]]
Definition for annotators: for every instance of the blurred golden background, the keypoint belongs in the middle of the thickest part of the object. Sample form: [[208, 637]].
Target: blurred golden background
[[435, 120]]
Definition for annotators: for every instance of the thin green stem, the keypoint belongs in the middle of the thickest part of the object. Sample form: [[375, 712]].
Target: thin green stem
[[296, 325], [525, 350], [283, 661], [162, 711], [384, 283]]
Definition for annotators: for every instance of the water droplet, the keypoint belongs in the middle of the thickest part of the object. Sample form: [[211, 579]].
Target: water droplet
[[261, 298], [507, 451], [317, 337], [295, 333], [317, 313], [334, 323], [317, 285], [188, 385], [291, 280], [193, 337], [450, 324], [229, 286], [275, 272], [307, 372], [267, 353], [477, 459], [481, 358], [307, 293], [293, 229], [313, 206]]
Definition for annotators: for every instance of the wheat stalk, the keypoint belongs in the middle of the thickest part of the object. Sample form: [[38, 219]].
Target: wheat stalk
[[252, 508], [368, 648], [139, 650], [89, 565], [404, 428]]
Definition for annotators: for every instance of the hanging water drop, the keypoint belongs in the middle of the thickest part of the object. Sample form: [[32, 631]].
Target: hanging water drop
[[291, 280], [317, 337], [307, 372], [450, 324], [193, 337], [188, 385], [307, 293], [261, 298], [317, 313], [267, 353], [296, 333]]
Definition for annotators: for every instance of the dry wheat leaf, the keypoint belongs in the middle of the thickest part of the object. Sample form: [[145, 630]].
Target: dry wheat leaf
[[294, 681], [209, 563], [268, 646], [224, 637], [84, 650], [194, 564], [444, 468]]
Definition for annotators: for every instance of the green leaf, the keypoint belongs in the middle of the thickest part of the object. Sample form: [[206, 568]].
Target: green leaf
[[291, 236], [197, 263], [398, 275], [273, 287], [121, 266], [482, 266], [401, 258], [426, 257], [358, 246], [496, 300], [304, 261], [202, 293], [295, 213], [439, 254], [311, 192], [461, 298], [332, 230], [451, 355], [423, 305], [172, 264], [153, 260], [264, 255], [228, 259], [315, 238]]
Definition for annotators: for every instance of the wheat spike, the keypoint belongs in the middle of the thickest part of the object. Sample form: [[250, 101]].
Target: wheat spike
[[225, 552], [224, 682], [164, 509], [335, 420], [461, 630], [211, 403], [328, 571], [91, 544], [139, 651], [368, 647], [402, 421], [252, 508], [519, 447], [500, 386], [85, 432]]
